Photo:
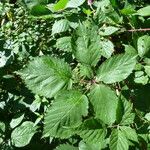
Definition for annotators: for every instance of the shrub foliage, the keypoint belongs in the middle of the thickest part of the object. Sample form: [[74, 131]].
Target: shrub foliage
[[74, 75]]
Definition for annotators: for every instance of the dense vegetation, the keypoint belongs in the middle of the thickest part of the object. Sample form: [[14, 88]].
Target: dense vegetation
[[74, 75]]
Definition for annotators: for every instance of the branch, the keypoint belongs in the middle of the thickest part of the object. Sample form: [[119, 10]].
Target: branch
[[139, 30]]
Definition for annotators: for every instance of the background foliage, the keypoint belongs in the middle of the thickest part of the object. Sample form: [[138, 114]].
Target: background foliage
[[74, 75]]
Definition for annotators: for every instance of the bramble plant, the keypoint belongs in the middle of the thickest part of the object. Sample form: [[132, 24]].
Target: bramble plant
[[74, 75]]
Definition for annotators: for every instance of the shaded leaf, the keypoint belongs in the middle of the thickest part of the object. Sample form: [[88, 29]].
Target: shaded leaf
[[128, 116], [40, 10], [2, 127]]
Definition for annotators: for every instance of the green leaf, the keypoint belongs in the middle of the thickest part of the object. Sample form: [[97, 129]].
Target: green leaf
[[66, 147], [6, 57], [36, 104], [147, 116], [107, 48], [60, 26], [61, 4], [144, 11], [31, 3], [118, 140], [92, 132], [46, 76], [16, 120], [147, 70], [128, 10], [140, 78], [129, 133], [64, 44], [87, 46], [105, 102], [66, 112], [128, 116], [94, 146], [22, 135], [75, 3], [106, 31], [86, 71], [2, 128], [147, 61], [40, 10], [144, 137], [130, 50], [144, 46], [116, 68]]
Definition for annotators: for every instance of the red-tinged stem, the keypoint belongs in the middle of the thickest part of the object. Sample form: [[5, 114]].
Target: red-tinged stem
[[138, 30]]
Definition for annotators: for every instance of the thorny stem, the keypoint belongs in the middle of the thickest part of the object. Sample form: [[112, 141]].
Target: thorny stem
[[139, 30]]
